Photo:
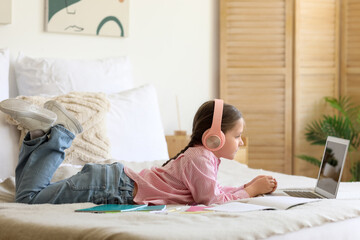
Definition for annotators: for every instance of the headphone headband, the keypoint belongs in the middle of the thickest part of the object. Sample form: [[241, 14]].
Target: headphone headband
[[217, 117]]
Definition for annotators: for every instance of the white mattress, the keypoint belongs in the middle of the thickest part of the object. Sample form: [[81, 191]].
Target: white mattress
[[328, 218]]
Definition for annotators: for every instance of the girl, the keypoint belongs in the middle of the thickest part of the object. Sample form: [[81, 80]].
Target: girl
[[188, 178]]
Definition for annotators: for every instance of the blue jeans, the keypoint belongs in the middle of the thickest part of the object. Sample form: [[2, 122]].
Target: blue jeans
[[39, 159]]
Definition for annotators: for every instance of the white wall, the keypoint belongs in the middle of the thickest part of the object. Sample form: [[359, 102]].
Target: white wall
[[172, 44]]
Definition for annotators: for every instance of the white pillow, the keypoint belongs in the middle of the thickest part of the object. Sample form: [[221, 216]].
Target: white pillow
[[4, 74], [46, 76], [9, 153], [134, 126]]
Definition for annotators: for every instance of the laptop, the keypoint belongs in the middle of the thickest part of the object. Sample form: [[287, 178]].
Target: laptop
[[331, 168]]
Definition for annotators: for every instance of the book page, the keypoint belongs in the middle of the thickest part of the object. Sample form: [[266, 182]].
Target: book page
[[279, 202], [238, 207]]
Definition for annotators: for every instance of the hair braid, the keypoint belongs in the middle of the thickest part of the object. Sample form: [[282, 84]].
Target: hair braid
[[191, 144]]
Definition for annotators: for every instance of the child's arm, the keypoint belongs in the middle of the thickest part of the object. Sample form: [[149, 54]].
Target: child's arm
[[200, 177]]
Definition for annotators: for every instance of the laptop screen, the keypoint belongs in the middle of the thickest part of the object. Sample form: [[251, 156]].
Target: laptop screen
[[332, 164]]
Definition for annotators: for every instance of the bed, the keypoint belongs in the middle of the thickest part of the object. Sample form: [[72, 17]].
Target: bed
[[109, 114]]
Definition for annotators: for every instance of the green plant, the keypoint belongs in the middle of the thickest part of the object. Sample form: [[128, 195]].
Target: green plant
[[332, 161], [330, 158], [346, 125], [355, 171]]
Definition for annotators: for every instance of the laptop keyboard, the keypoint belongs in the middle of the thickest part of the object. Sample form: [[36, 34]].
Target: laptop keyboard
[[302, 194]]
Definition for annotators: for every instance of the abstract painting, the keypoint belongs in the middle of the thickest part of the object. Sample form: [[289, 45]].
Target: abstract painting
[[89, 17]]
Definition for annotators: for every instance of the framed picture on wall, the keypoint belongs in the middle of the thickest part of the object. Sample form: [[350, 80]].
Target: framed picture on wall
[[5, 11], [89, 17]]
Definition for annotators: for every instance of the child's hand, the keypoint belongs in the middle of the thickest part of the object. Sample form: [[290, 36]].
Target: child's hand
[[261, 185], [274, 188], [253, 180]]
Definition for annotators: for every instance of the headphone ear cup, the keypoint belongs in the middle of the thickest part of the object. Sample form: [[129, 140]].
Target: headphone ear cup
[[203, 139], [213, 141], [222, 137]]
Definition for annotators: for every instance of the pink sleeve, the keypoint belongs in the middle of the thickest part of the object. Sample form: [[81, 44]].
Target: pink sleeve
[[200, 176]]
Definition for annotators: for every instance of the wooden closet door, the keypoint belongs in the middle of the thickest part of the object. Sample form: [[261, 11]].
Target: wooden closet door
[[350, 59], [316, 71], [256, 75], [350, 67]]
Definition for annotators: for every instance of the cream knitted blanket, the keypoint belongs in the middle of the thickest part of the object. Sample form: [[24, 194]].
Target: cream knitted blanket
[[92, 145]]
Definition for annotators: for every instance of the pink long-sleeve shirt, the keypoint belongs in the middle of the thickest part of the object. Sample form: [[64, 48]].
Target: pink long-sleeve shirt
[[189, 179]]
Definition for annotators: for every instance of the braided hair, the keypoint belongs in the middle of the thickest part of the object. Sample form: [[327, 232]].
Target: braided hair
[[203, 120]]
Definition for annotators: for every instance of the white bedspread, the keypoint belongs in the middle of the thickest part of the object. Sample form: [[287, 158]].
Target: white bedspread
[[61, 222]]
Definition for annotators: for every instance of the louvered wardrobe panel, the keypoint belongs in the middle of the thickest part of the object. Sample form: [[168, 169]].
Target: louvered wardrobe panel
[[316, 71], [256, 59], [350, 67], [351, 49]]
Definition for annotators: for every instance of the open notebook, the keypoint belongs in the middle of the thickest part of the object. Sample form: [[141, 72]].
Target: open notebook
[[261, 203], [121, 208]]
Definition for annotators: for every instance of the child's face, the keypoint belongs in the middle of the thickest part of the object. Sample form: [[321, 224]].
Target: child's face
[[232, 141]]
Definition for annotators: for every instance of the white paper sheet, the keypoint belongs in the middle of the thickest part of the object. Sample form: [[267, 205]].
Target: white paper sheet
[[238, 207]]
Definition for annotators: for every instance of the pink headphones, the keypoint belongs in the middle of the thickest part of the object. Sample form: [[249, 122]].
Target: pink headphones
[[213, 139]]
